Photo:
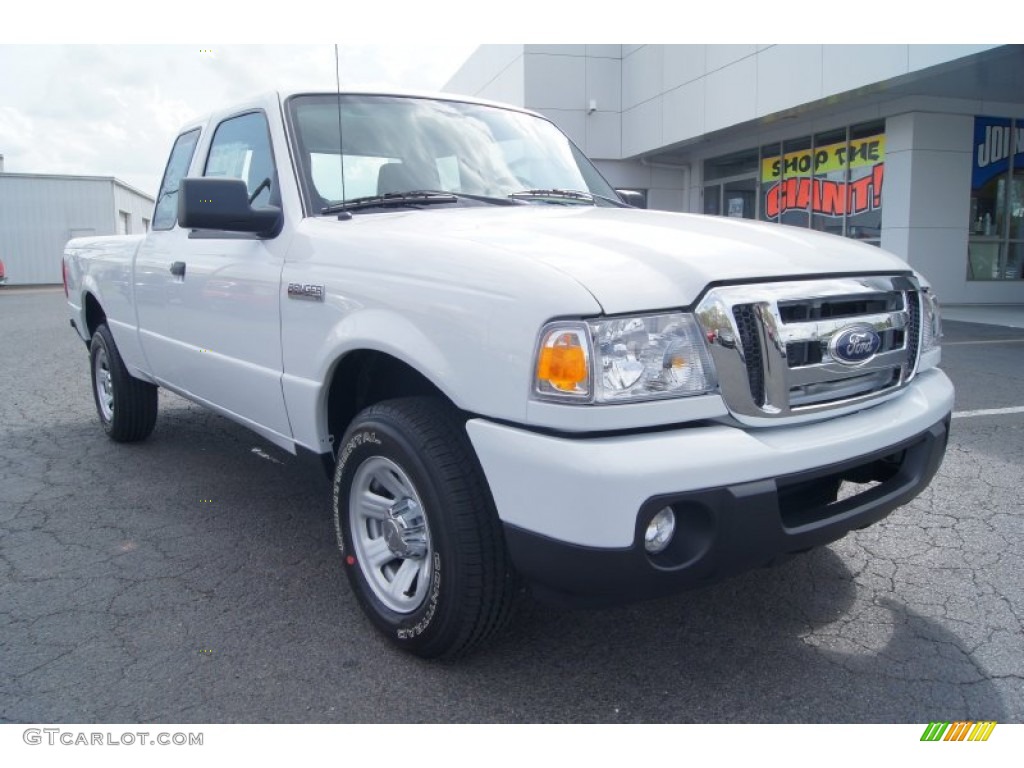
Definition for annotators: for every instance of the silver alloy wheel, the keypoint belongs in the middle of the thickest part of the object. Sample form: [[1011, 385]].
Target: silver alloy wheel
[[390, 537], [104, 385]]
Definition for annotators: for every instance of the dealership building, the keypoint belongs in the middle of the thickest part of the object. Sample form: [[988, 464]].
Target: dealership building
[[916, 148], [39, 213]]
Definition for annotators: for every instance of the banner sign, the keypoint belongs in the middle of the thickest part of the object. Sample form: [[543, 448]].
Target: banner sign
[[817, 178], [993, 137]]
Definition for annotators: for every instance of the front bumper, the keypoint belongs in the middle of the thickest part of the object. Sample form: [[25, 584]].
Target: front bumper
[[575, 509]]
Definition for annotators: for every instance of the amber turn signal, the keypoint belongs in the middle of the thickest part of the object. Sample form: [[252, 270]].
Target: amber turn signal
[[562, 365]]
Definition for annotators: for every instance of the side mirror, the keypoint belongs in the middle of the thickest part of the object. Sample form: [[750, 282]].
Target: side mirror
[[218, 203], [632, 197]]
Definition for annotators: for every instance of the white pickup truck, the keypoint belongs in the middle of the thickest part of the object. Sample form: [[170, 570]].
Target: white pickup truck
[[513, 376]]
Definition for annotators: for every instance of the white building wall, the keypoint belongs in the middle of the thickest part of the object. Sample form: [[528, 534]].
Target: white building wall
[[675, 93], [39, 214], [136, 205], [647, 97], [580, 89], [492, 72]]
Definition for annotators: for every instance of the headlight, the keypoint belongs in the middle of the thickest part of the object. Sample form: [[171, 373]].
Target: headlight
[[931, 331], [627, 358]]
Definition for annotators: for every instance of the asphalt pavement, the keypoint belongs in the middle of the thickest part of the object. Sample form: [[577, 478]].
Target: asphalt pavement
[[194, 578]]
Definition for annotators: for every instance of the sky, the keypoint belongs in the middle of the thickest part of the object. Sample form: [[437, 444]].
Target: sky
[[77, 100], [114, 110]]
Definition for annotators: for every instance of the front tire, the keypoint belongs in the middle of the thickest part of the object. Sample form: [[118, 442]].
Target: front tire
[[418, 532], [126, 405]]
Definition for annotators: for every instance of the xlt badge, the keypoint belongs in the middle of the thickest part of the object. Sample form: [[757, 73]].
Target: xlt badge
[[300, 291]]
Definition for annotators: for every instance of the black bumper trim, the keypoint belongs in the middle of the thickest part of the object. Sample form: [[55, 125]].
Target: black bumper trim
[[730, 529]]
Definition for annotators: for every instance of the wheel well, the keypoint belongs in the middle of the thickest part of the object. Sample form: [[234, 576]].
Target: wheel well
[[94, 314], [365, 377]]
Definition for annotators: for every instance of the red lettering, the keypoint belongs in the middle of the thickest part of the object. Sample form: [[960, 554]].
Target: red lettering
[[825, 197], [833, 199], [803, 195], [860, 199], [771, 202]]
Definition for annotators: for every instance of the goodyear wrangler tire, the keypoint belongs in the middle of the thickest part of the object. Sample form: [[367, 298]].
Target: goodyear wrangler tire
[[126, 405], [419, 536]]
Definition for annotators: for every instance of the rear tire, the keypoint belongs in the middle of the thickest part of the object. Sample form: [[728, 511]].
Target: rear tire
[[420, 538], [126, 405]]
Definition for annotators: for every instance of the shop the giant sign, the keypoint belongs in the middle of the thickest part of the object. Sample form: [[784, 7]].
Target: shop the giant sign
[[817, 179]]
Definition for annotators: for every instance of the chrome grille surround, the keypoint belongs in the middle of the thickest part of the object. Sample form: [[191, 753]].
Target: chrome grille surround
[[771, 343]]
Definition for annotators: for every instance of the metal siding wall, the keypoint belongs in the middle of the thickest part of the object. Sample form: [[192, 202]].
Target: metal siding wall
[[38, 215], [137, 206]]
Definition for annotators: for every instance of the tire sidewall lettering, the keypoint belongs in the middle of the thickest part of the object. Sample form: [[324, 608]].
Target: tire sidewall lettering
[[417, 629], [360, 446], [363, 437]]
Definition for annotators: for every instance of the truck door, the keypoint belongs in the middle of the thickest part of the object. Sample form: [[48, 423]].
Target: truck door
[[152, 278], [222, 332]]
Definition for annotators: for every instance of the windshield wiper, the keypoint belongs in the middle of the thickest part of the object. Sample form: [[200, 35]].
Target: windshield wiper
[[557, 194], [569, 194], [412, 199], [391, 199]]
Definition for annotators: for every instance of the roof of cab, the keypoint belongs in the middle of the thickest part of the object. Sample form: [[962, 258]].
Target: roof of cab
[[279, 97]]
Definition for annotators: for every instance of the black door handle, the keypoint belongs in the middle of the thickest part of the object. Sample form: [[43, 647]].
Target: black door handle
[[178, 269]]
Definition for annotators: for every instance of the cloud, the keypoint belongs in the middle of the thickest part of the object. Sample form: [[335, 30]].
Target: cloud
[[110, 110]]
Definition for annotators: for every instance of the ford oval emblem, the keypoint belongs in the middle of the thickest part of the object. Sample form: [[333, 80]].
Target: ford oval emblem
[[855, 345]]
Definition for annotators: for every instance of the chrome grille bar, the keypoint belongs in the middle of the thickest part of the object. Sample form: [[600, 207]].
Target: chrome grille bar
[[752, 330]]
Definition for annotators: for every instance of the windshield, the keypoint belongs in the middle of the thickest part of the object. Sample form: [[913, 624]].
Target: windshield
[[398, 144]]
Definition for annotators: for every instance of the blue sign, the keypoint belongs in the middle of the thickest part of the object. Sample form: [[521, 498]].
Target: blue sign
[[995, 139]]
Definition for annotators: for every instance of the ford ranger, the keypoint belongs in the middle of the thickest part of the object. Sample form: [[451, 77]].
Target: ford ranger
[[512, 376]]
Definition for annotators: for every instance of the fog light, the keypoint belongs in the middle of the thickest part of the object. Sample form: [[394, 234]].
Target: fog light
[[659, 531]]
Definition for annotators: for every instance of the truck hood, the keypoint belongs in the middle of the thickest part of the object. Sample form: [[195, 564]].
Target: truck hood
[[634, 260]]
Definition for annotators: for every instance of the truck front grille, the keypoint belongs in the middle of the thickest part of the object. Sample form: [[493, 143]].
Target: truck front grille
[[807, 346]]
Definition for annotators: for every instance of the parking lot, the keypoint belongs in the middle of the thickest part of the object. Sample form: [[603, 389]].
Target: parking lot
[[194, 578]]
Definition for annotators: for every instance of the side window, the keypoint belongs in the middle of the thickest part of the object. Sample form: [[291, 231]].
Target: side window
[[241, 150], [166, 214]]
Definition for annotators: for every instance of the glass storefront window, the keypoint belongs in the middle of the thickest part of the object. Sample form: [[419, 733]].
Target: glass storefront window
[[734, 193], [740, 196], [1016, 212], [828, 206], [866, 162], [1014, 265], [712, 200], [831, 181], [797, 161], [769, 178], [735, 164], [995, 249]]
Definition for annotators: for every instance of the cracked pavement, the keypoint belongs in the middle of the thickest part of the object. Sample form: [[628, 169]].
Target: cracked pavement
[[125, 596]]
